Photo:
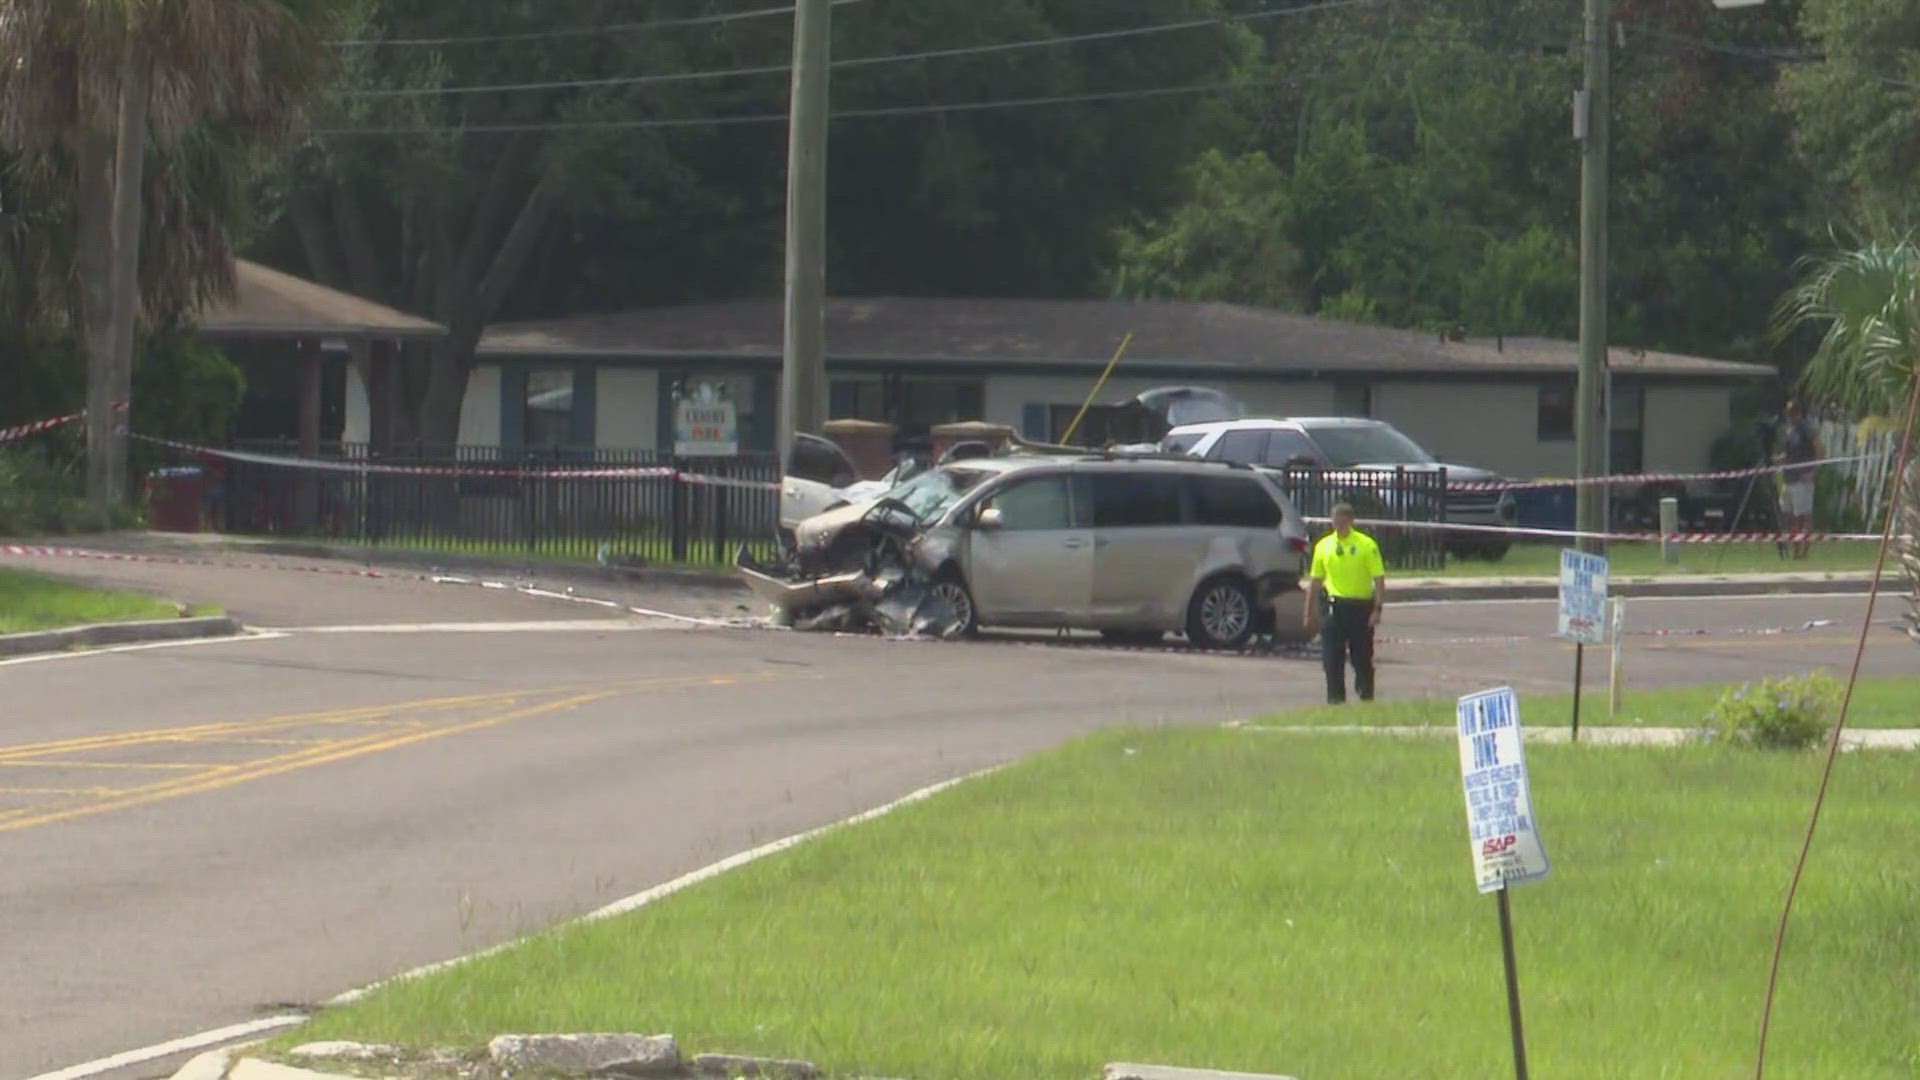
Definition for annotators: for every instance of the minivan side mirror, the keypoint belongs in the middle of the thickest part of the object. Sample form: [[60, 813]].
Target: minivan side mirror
[[988, 519]]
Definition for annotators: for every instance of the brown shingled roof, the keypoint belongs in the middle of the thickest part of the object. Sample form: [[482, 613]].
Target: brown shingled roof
[[269, 303], [1170, 336]]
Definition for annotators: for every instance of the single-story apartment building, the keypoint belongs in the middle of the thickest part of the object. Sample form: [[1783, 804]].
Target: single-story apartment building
[[609, 381]]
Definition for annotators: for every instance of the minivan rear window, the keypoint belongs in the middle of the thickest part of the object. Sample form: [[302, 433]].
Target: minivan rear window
[[1236, 502]]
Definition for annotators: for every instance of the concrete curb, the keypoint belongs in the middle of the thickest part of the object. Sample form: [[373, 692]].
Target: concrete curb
[[128, 633]]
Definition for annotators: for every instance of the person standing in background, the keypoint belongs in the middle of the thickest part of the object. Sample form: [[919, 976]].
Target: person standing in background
[[1348, 567], [1799, 446]]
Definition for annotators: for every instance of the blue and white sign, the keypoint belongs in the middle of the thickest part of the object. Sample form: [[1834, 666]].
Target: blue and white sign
[[1500, 825], [1583, 597]]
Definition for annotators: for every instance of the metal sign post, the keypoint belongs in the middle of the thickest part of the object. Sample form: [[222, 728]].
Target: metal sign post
[[1583, 614], [1500, 825], [1614, 670]]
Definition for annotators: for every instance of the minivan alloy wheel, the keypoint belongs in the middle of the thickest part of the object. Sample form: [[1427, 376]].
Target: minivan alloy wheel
[[949, 589], [1222, 616]]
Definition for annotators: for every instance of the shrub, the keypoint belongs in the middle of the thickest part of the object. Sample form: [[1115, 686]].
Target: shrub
[[1777, 714], [36, 495]]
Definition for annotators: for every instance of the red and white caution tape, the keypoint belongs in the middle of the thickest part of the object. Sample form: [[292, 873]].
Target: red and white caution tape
[[35, 427], [379, 468], [1639, 537], [1645, 478]]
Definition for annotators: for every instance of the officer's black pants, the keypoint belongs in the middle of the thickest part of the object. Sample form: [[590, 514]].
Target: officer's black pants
[[1345, 630]]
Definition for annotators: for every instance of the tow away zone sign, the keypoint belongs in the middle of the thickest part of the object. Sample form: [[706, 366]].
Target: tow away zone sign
[[1493, 767]]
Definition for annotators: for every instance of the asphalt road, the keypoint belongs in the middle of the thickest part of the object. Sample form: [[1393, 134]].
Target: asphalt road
[[195, 836]]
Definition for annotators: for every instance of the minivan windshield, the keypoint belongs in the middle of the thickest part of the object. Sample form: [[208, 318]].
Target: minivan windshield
[[931, 493], [1347, 445]]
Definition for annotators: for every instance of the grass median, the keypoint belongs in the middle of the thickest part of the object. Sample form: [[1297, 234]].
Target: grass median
[[30, 602], [1221, 899], [1877, 703], [1640, 559]]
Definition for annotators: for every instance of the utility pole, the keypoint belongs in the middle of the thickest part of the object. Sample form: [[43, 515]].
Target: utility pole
[[1589, 422], [803, 366]]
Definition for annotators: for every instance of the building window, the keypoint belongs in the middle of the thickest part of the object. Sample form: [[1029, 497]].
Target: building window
[[1626, 446], [548, 410], [911, 405], [1556, 412], [1352, 397], [858, 400]]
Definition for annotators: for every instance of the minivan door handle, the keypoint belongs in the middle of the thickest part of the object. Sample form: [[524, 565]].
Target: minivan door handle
[[1075, 545]]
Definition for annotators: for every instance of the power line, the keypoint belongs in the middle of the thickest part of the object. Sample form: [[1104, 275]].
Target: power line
[[781, 117], [869, 61], [562, 33]]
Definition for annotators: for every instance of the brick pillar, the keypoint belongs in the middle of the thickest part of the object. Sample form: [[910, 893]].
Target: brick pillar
[[867, 443]]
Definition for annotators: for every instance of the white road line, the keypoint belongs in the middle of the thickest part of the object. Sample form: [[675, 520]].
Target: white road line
[[562, 626], [177, 1046], [41, 658], [236, 1032]]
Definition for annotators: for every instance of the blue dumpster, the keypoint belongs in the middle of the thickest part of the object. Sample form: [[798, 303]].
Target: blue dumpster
[[1544, 508]]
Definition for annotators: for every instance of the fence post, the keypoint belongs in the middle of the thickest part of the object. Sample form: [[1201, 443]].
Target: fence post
[[678, 517], [722, 505]]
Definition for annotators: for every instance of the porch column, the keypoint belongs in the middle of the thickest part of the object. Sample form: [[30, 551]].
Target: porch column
[[309, 352], [308, 482]]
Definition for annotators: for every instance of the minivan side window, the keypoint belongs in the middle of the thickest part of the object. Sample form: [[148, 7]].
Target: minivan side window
[[1236, 502], [1131, 500], [1033, 505], [1241, 447]]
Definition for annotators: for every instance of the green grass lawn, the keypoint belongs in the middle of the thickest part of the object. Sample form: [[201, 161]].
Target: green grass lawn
[[1877, 703], [1635, 559], [1222, 899], [36, 602]]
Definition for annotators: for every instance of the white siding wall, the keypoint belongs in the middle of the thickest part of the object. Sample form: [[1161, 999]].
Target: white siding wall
[[627, 408], [479, 411], [1487, 425], [358, 427], [1682, 424]]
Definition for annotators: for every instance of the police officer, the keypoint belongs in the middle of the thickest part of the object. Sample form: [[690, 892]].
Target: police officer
[[1347, 566]]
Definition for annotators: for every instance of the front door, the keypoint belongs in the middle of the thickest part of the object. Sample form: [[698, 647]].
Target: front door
[[1035, 568]]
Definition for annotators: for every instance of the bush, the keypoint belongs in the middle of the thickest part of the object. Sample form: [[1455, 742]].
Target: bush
[[37, 495], [1778, 714]]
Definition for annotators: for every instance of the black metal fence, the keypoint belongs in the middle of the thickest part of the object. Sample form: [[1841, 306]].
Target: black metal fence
[[1402, 495], [638, 506], [616, 506]]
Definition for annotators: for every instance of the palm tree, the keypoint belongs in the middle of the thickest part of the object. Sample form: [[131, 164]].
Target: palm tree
[[88, 90], [1866, 304]]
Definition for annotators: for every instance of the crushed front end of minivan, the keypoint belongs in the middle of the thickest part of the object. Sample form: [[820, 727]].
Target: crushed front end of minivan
[[866, 566]]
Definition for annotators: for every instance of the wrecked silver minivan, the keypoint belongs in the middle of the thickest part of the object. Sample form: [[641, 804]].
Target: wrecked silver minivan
[[1133, 547]]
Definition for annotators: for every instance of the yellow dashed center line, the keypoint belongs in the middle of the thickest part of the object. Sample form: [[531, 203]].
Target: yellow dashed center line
[[396, 726]]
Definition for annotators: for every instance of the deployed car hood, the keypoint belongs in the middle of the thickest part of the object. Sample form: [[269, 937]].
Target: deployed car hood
[[820, 529]]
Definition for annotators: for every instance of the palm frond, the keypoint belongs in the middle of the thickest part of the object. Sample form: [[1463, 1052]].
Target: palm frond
[[1866, 304]]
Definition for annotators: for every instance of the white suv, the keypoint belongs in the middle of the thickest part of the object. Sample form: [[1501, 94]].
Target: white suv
[[1352, 444]]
